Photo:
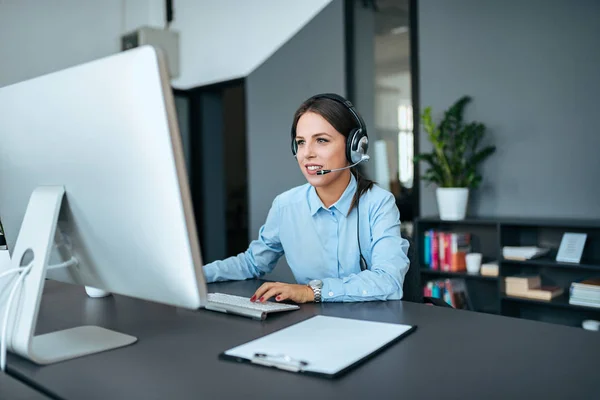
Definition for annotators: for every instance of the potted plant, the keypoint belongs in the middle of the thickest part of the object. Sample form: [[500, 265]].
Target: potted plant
[[455, 158]]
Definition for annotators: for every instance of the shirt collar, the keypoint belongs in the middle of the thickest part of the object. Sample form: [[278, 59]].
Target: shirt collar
[[343, 203]]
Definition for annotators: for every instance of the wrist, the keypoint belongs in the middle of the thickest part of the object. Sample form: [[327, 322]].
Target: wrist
[[310, 294]]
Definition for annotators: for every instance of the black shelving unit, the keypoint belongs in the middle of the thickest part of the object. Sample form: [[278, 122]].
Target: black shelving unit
[[463, 275], [489, 235]]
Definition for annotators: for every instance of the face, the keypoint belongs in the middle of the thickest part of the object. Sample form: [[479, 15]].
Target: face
[[320, 146]]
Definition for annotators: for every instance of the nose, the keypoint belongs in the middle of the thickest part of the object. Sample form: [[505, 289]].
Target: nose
[[308, 151]]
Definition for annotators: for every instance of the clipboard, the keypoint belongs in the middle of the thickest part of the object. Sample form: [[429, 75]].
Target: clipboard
[[320, 346]]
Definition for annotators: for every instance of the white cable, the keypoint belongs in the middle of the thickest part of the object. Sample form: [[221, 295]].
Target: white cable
[[71, 263], [23, 273], [10, 271], [3, 336]]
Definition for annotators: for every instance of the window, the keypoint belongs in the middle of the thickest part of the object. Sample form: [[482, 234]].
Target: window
[[405, 145]]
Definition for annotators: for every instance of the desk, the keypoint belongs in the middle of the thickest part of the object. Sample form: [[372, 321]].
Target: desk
[[453, 353], [10, 388]]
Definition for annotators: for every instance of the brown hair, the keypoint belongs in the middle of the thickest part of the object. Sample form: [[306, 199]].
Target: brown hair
[[344, 122]]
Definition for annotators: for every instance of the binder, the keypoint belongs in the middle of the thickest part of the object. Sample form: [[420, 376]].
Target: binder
[[321, 346]]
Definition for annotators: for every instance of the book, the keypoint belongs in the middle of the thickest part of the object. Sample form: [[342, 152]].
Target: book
[[446, 251], [545, 292], [518, 283], [541, 293], [460, 245], [590, 283], [427, 247], [457, 295], [435, 249], [452, 291], [584, 293], [489, 269], [583, 302], [523, 253]]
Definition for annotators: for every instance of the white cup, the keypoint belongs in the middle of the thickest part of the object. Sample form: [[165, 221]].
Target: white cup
[[96, 293], [473, 262], [591, 325]]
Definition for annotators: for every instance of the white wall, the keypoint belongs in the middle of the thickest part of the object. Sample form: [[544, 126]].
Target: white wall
[[228, 39], [220, 40], [38, 37]]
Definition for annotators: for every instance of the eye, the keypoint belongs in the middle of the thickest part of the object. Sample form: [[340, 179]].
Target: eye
[[321, 140], [300, 142]]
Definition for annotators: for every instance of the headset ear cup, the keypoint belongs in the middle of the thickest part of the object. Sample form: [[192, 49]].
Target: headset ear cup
[[294, 147], [358, 146]]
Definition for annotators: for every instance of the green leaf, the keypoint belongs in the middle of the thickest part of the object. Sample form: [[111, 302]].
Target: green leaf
[[455, 157], [478, 157]]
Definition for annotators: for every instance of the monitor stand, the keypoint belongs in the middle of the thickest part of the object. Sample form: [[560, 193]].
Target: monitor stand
[[37, 235]]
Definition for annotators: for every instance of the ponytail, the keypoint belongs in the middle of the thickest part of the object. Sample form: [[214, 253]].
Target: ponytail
[[362, 186]]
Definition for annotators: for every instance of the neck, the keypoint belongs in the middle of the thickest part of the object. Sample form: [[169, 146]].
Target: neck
[[331, 193]]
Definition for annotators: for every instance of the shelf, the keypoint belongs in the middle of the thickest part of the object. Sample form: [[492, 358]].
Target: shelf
[[519, 222], [561, 301], [469, 221], [489, 236], [465, 275], [550, 262]]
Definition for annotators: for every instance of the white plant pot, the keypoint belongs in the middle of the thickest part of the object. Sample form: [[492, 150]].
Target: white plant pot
[[452, 203]]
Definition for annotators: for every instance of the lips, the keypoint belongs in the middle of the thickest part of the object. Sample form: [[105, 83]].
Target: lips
[[312, 169]]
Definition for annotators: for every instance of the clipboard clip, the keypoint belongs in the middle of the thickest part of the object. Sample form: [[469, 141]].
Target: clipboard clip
[[280, 361]]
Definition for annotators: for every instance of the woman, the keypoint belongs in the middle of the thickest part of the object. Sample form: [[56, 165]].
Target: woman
[[340, 233]]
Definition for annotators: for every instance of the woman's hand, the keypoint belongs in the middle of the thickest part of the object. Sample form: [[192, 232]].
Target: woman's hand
[[284, 291]]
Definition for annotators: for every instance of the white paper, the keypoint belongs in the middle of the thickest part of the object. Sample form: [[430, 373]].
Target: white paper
[[327, 344]]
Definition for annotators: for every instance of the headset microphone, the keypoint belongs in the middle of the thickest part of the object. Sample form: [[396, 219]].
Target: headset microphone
[[326, 171]]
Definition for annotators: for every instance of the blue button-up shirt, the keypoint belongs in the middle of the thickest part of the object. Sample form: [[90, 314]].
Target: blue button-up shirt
[[321, 243]]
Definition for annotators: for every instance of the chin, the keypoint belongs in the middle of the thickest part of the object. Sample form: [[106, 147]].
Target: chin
[[319, 180]]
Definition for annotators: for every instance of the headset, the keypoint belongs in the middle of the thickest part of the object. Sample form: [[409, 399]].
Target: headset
[[357, 144]]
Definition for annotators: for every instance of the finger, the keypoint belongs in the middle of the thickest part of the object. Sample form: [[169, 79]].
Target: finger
[[270, 293], [284, 295], [261, 290]]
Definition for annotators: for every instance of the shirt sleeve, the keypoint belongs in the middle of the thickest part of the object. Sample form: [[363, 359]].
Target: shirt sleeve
[[384, 278], [260, 258]]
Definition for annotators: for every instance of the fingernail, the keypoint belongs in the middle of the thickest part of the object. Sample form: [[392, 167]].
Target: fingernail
[[261, 299], [278, 298], [253, 298]]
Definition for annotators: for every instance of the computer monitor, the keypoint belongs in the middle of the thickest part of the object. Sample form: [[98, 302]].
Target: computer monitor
[[106, 134]]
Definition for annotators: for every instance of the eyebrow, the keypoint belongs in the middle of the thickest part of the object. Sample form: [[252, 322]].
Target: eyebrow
[[316, 135]]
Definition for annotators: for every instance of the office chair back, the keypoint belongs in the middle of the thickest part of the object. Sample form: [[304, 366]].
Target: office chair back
[[412, 281]]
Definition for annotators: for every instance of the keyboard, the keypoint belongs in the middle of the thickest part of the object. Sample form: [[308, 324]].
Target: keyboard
[[239, 305]]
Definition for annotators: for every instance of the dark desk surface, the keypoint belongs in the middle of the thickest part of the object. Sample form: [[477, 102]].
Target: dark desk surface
[[11, 388], [453, 354]]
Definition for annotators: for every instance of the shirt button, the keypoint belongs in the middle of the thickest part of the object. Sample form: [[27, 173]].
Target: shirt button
[[330, 294], [364, 292]]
